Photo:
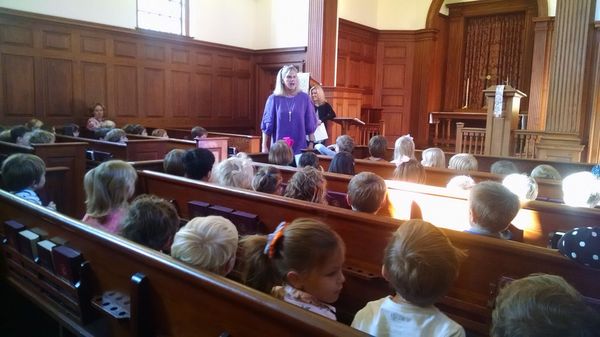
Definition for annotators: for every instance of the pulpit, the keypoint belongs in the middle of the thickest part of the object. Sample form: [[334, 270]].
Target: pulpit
[[502, 118], [346, 122]]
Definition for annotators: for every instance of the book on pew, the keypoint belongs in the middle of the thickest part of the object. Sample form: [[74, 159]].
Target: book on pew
[[11, 230], [45, 254], [27, 241], [67, 263]]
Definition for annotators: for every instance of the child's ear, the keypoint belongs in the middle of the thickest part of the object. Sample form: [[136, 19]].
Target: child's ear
[[384, 273], [294, 279], [348, 200]]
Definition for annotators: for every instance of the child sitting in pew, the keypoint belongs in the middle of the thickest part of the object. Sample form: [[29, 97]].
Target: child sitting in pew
[[409, 170], [151, 221], [300, 262], [160, 133], [307, 184], [343, 143], [342, 163], [366, 192], [421, 264], [135, 129], [198, 163], [22, 175], [173, 162], [377, 147], [463, 162], [198, 132], [433, 157], [542, 305], [544, 171], [309, 159], [267, 180], [116, 136], [491, 209], [503, 167], [208, 243], [39, 136], [281, 153], [526, 188], [235, 172], [108, 187], [20, 135], [404, 147]]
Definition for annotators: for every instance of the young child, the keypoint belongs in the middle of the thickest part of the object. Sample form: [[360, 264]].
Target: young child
[[20, 135], [151, 221], [34, 124], [23, 174], [281, 153], [410, 170], [160, 133], [309, 159], [108, 187], [208, 243], [542, 305], [300, 262], [491, 209], [235, 172], [545, 172], [343, 143], [366, 192], [404, 147], [198, 132], [342, 163], [433, 157], [39, 136], [71, 129], [581, 189], [198, 163], [135, 129], [307, 184], [267, 180], [173, 162], [377, 148], [503, 167], [421, 264], [526, 188], [463, 162], [460, 183], [116, 136]]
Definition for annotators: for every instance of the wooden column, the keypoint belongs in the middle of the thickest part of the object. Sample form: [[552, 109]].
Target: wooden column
[[540, 71], [568, 74], [322, 37], [594, 131]]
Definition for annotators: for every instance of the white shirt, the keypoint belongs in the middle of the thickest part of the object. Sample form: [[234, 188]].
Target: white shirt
[[385, 317]]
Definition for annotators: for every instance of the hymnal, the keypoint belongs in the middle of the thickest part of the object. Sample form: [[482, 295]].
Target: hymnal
[[45, 254], [67, 263], [11, 230], [28, 243]]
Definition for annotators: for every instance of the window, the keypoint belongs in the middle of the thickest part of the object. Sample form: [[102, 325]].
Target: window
[[168, 16]]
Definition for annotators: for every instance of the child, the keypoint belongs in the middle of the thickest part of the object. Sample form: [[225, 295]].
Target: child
[[545, 172], [151, 221], [433, 157], [410, 170], [267, 180], [135, 129], [198, 132], [460, 183], [463, 162], [526, 188], [116, 136], [39, 136], [20, 135], [173, 162], [377, 148], [542, 305], [108, 188], [34, 124], [235, 172], [309, 159], [22, 175], [404, 147], [421, 264], [198, 163], [280, 153], [581, 189], [342, 143], [208, 243], [300, 262], [342, 163], [503, 167], [160, 133], [307, 184], [366, 192], [70, 129], [491, 209]]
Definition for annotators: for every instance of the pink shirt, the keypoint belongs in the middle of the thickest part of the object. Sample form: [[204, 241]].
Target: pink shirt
[[112, 222], [93, 123]]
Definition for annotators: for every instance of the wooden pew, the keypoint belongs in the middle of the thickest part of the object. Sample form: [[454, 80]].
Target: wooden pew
[[366, 236], [167, 298], [242, 143], [67, 154], [134, 150], [217, 145], [485, 162]]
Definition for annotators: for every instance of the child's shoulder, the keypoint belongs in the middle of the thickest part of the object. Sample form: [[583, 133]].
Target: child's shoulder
[[29, 195]]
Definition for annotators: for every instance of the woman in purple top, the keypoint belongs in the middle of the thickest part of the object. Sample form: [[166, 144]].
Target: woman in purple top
[[289, 112]]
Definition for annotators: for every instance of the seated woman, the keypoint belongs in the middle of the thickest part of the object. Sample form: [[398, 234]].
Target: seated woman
[[95, 122]]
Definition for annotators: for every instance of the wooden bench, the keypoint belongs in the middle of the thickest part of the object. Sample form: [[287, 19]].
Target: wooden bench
[[242, 143], [217, 145], [68, 154], [167, 298], [366, 236]]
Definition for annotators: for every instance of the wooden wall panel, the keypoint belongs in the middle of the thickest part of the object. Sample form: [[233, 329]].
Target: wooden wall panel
[[93, 82], [15, 35], [126, 92], [93, 45], [58, 84], [202, 85], [222, 105], [153, 99], [18, 85], [181, 94]]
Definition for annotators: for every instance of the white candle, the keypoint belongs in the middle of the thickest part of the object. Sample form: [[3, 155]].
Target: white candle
[[467, 94]]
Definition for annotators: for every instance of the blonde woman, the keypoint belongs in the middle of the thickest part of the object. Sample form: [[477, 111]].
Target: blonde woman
[[323, 109]]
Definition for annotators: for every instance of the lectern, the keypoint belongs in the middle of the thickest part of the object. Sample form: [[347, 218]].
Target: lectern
[[502, 118], [346, 122]]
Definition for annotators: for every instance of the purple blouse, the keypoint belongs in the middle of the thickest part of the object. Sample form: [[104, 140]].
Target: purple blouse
[[292, 117]]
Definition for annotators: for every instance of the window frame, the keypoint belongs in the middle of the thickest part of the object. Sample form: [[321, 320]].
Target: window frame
[[184, 18]]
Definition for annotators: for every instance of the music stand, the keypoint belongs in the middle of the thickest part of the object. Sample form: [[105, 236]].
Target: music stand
[[346, 122]]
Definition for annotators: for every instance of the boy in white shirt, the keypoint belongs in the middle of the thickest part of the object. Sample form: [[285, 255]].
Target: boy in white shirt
[[420, 264]]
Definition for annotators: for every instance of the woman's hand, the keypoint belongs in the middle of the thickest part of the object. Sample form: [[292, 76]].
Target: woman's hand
[[319, 122]]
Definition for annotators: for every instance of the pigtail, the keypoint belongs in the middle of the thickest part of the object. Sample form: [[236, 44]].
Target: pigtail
[[258, 271]]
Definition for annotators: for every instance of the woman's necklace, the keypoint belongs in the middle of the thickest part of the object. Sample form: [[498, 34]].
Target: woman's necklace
[[287, 102]]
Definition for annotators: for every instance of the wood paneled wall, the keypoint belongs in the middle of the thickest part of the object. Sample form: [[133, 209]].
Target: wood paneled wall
[[54, 69]]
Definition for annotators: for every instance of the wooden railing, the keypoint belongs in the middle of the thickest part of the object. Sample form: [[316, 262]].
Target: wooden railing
[[472, 140], [469, 140], [524, 143], [369, 130]]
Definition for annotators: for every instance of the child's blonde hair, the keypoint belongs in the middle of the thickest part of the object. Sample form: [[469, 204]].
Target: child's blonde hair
[[404, 146], [493, 206], [160, 133], [280, 153], [39, 136], [545, 172], [302, 246], [108, 187], [411, 171], [209, 243], [421, 263], [307, 184], [433, 157], [267, 180], [366, 192], [526, 188], [115, 135], [235, 172], [463, 162]]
